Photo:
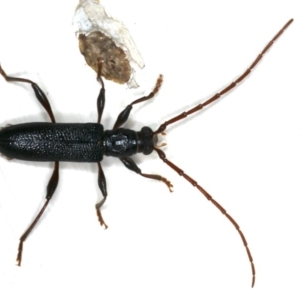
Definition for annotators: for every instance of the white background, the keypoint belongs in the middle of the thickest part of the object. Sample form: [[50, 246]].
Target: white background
[[244, 150]]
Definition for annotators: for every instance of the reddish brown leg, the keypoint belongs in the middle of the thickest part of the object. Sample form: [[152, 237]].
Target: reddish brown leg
[[123, 116], [183, 115], [40, 95], [103, 189], [132, 166], [50, 191], [162, 156]]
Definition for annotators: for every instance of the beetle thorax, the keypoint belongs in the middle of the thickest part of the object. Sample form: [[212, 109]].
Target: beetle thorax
[[126, 142]]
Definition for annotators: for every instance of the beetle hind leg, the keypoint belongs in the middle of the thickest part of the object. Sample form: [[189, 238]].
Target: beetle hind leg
[[50, 191], [40, 95]]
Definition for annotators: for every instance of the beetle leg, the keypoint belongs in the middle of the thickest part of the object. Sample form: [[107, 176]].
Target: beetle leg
[[132, 166], [50, 191], [6, 157], [123, 116], [103, 189], [40, 95], [101, 97]]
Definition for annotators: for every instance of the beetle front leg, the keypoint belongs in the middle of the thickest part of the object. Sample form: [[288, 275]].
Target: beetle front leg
[[123, 116], [103, 189], [50, 191], [132, 166]]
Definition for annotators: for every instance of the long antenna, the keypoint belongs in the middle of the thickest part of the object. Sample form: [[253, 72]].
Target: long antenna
[[183, 115]]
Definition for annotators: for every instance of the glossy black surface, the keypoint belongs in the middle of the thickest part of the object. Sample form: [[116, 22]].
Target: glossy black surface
[[53, 142], [75, 142]]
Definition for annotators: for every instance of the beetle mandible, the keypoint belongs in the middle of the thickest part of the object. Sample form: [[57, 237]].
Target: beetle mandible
[[89, 142]]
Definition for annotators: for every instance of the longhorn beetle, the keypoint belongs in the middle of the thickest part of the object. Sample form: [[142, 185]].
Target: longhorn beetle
[[89, 142]]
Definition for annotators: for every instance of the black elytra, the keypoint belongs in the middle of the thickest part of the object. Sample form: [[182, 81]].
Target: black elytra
[[89, 142]]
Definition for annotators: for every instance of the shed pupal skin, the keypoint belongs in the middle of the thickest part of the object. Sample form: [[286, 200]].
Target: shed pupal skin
[[102, 37]]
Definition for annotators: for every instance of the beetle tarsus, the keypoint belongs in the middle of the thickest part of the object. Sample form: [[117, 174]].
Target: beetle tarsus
[[168, 183], [100, 218], [20, 251]]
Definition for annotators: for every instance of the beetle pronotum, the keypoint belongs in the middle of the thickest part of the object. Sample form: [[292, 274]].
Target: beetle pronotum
[[89, 142]]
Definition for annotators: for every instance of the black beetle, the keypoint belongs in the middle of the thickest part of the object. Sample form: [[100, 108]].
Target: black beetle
[[78, 142]]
